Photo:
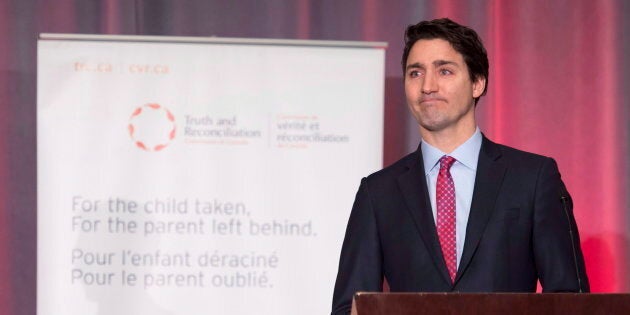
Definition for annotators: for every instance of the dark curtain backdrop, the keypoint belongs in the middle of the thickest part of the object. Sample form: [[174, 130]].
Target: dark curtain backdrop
[[559, 85]]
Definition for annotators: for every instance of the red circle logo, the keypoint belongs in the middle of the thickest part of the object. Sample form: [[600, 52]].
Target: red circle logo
[[152, 127]]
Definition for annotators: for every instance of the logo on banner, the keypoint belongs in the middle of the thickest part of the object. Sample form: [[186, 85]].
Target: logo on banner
[[152, 127]]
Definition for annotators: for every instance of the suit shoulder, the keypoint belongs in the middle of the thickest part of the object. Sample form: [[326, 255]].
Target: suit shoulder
[[395, 169], [523, 158]]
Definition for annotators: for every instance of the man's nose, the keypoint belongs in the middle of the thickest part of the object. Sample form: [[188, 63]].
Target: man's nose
[[429, 85]]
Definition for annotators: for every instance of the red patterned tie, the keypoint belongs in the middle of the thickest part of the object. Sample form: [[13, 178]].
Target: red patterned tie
[[445, 200]]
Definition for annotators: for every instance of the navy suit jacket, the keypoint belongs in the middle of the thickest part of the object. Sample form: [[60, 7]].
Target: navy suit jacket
[[517, 231]]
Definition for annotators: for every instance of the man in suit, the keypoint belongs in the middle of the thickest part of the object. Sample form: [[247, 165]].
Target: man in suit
[[462, 213]]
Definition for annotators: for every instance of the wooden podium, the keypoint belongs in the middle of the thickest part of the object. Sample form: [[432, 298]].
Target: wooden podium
[[489, 303]]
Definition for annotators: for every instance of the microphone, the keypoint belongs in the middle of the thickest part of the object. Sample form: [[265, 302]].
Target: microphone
[[564, 197]]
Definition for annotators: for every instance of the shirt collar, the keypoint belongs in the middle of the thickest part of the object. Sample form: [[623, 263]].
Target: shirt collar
[[467, 153]]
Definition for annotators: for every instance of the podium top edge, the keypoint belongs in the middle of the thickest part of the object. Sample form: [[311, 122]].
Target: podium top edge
[[211, 40], [371, 294]]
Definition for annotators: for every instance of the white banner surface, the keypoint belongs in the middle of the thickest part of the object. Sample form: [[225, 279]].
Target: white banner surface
[[181, 177]]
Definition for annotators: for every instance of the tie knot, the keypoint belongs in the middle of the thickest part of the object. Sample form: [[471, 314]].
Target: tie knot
[[446, 162]]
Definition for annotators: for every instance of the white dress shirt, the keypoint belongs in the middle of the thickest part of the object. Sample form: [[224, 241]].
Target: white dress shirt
[[463, 172]]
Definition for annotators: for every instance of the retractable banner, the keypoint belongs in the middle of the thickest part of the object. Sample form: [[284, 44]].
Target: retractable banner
[[192, 176]]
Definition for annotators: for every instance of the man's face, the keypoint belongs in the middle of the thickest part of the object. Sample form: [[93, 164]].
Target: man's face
[[439, 91]]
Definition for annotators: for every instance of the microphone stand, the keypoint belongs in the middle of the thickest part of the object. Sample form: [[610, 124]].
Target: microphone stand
[[564, 199]]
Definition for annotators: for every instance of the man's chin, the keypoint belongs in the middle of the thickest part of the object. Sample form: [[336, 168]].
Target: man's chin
[[433, 125]]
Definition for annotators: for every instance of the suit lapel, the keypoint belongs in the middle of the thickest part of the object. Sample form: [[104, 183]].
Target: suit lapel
[[490, 172], [413, 185]]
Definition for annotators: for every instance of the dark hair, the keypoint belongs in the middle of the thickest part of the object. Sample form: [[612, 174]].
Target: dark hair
[[463, 39]]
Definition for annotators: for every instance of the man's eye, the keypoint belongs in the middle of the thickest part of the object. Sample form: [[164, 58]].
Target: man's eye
[[445, 72], [414, 73]]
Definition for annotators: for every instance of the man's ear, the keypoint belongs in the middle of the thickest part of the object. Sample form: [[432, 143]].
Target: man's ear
[[478, 86]]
